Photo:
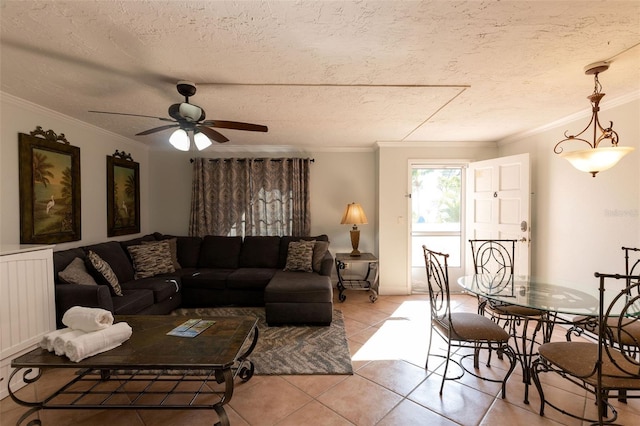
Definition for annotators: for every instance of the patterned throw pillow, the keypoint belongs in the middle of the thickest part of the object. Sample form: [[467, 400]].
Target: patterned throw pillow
[[173, 248], [151, 259], [300, 256], [76, 273], [105, 271]]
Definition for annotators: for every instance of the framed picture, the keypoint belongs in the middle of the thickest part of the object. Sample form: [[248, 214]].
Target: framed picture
[[123, 195], [49, 179]]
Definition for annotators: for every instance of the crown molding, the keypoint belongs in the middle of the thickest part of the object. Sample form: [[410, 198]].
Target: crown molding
[[436, 144], [39, 109], [586, 113]]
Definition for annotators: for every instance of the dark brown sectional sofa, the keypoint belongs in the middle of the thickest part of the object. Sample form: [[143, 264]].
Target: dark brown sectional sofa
[[213, 271]]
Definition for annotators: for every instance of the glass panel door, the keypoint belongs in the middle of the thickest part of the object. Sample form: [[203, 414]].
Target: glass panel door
[[436, 218]]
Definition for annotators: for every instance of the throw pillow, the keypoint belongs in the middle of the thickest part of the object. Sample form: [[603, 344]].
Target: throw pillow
[[173, 248], [300, 256], [151, 259], [319, 250], [105, 271], [76, 273]]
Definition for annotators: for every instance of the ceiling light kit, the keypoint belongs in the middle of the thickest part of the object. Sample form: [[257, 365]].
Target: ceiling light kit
[[594, 159], [191, 123]]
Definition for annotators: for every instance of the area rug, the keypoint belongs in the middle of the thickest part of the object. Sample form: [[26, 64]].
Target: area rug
[[289, 349]]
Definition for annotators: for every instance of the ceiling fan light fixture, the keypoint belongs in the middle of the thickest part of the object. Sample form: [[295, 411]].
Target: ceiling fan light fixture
[[201, 141], [180, 140]]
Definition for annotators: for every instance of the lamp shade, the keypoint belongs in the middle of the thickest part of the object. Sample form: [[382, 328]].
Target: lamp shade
[[180, 140], [201, 141], [596, 160], [354, 215]]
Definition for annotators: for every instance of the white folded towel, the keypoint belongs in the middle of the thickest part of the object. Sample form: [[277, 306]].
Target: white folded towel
[[96, 342], [47, 339], [87, 319], [60, 341]]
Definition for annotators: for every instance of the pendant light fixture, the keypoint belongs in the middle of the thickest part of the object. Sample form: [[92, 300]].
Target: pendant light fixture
[[595, 159]]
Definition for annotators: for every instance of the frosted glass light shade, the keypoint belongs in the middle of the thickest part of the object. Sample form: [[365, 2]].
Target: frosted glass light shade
[[201, 141], [180, 140], [596, 160]]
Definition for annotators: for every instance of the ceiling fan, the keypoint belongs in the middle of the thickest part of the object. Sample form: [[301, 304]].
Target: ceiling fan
[[190, 118]]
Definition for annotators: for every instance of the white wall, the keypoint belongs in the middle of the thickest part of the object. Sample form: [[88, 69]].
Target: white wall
[[19, 116], [393, 203], [579, 223]]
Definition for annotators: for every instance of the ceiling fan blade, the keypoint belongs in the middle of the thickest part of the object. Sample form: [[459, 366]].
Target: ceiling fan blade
[[157, 129], [236, 125], [132, 115], [212, 134]]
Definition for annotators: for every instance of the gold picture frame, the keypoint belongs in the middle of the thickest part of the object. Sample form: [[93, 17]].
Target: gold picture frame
[[49, 179], [123, 195]]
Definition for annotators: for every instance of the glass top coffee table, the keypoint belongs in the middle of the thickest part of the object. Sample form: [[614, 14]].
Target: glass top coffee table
[[151, 370]]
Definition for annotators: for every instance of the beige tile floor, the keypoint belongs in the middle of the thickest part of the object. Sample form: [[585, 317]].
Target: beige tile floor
[[388, 343]]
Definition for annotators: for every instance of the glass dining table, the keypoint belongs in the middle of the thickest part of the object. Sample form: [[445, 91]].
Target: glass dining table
[[558, 303]]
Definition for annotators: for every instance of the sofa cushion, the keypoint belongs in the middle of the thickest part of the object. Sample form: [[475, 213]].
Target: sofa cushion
[[76, 273], [207, 278], [250, 278], [260, 252], [103, 272], [219, 252], [292, 287], [319, 250], [137, 241], [284, 246], [151, 259], [188, 251], [132, 302], [163, 287], [113, 253], [300, 256]]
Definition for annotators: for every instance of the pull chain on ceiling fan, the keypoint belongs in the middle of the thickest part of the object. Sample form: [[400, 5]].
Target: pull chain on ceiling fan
[[191, 123]]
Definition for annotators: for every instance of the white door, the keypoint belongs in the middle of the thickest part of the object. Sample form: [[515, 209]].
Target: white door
[[498, 205]]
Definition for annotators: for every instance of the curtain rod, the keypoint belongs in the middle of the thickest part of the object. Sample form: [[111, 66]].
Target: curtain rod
[[312, 160]]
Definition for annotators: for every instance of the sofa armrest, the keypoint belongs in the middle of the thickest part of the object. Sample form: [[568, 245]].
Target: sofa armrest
[[91, 296], [327, 265]]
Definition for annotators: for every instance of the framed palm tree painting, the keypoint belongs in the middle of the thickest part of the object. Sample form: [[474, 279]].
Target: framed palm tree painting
[[123, 195], [49, 179]]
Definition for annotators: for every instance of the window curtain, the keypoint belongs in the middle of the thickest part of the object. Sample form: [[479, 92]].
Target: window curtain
[[250, 197]]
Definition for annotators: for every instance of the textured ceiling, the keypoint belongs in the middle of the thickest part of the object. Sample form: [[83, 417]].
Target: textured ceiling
[[322, 73]]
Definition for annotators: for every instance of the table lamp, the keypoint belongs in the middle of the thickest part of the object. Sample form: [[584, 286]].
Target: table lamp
[[354, 215]]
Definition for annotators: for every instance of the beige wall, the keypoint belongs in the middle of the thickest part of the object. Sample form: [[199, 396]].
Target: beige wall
[[337, 178], [19, 116], [394, 205]]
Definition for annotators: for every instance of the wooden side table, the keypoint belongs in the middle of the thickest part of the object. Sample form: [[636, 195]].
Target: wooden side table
[[367, 282]]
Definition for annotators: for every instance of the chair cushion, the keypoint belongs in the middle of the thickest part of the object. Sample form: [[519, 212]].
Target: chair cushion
[[579, 359], [469, 326], [630, 334]]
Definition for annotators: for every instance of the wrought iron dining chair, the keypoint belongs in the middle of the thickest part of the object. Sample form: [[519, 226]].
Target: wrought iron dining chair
[[600, 368], [588, 325], [495, 258], [461, 329]]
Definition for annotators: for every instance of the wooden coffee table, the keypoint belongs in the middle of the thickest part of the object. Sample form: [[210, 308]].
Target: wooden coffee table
[[151, 370]]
